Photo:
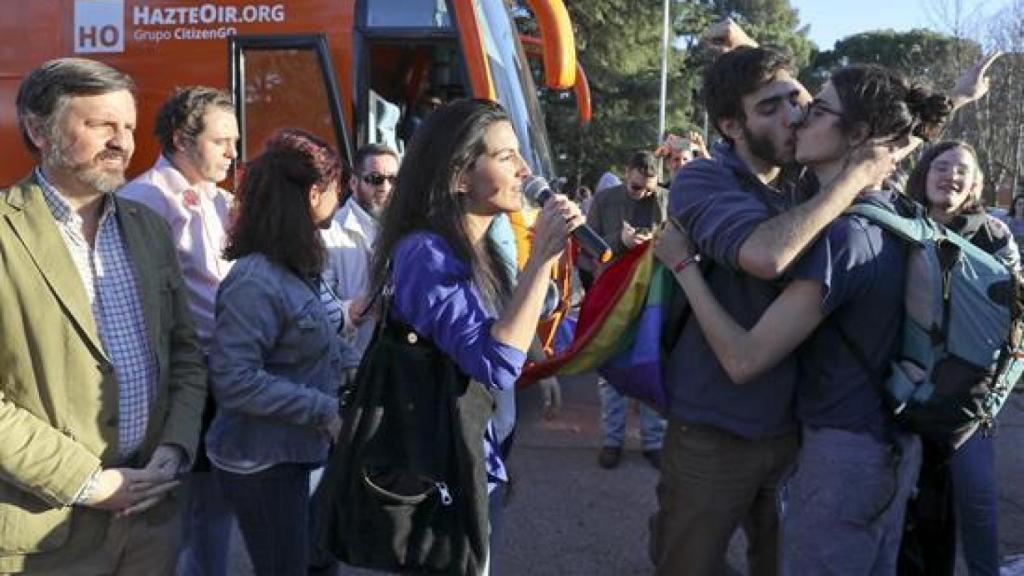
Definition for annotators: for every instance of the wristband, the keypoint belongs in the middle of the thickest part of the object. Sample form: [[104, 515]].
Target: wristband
[[682, 264]]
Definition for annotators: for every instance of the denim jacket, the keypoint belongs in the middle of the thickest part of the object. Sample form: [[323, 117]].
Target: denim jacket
[[275, 367]]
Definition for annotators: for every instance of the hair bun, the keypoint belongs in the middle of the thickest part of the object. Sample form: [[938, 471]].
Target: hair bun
[[931, 110]]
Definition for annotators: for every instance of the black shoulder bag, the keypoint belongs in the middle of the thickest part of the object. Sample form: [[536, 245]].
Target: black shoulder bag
[[405, 489]]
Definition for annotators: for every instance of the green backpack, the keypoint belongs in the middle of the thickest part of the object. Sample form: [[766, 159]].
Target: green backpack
[[961, 353]]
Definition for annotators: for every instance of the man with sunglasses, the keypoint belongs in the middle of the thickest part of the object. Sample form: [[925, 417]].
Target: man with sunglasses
[[350, 241], [626, 216]]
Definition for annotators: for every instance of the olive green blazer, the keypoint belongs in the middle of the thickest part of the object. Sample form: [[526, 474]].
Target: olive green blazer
[[58, 394]]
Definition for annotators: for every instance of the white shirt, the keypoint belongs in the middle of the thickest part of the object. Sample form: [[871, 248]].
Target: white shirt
[[199, 217], [350, 241]]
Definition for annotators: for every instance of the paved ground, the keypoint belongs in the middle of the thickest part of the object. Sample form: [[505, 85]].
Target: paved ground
[[569, 517]]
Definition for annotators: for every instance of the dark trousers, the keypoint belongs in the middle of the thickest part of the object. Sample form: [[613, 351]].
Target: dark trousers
[[958, 489], [272, 507], [976, 500], [713, 482]]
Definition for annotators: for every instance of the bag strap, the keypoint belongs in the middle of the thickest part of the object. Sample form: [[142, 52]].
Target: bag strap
[[918, 230]]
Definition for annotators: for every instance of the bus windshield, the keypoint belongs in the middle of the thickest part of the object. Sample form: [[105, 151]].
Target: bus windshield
[[513, 83]]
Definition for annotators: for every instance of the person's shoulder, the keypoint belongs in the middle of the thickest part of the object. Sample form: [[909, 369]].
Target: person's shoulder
[[256, 268], [430, 253], [609, 194], [702, 168], [704, 175], [15, 193], [140, 209], [154, 224], [155, 180]]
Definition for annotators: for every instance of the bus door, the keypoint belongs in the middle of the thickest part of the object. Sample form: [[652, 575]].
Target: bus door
[[285, 81], [408, 61]]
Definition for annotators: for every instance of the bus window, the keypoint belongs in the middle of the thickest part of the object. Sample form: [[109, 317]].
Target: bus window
[[514, 85], [409, 61], [286, 83], [406, 14], [406, 81]]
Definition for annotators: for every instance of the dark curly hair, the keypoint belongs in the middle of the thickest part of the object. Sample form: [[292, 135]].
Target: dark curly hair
[[736, 74], [183, 114], [887, 104]]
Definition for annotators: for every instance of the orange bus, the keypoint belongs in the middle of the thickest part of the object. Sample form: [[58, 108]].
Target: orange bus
[[351, 71]]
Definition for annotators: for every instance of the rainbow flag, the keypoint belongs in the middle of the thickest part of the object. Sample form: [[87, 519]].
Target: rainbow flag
[[623, 329]]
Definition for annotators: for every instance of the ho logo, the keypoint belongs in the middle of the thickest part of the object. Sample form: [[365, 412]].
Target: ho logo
[[99, 26]]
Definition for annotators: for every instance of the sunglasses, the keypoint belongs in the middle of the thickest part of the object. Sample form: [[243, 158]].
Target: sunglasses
[[378, 179]]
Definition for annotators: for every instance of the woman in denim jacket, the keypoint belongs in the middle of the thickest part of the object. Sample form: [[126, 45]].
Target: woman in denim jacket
[[275, 358]]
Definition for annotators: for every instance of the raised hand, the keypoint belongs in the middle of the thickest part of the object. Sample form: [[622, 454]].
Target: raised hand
[[727, 35], [697, 143], [974, 82]]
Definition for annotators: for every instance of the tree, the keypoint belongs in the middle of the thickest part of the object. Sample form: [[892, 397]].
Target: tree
[[994, 124], [924, 56], [618, 43], [771, 22]]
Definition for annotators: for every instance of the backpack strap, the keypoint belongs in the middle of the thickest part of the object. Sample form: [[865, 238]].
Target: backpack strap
[[914, 230]]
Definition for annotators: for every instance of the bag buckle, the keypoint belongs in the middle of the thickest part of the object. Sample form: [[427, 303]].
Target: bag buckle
[[446, 496]]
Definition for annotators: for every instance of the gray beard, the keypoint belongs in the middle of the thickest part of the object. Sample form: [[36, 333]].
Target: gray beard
[[85, 173], [373, 212]]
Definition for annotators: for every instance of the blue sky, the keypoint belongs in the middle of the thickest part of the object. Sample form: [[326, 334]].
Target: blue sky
[[832, 20]]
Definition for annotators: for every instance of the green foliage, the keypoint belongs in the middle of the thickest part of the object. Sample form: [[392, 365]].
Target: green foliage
[[928, 57], [618, 43], [771, 22]]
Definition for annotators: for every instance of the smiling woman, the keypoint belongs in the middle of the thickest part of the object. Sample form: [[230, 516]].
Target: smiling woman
[[948, 181], [450, 281]]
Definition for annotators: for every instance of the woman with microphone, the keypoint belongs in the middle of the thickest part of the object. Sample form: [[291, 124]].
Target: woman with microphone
[[449, 280]]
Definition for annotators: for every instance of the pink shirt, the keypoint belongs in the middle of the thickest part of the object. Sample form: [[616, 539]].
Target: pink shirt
[[198, 217]]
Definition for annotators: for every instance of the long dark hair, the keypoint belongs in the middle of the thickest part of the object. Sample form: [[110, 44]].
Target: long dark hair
[[887, 104], [444, 148], [273, 214], [917, 185]]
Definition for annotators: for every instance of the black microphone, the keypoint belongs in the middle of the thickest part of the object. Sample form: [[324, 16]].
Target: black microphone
[[537, 190]]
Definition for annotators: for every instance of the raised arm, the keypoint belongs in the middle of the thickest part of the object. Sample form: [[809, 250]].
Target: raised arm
[[726, 35], [973, 83]]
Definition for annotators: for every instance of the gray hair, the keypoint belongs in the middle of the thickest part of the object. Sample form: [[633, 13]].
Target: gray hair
[[372, 150], [45, 92]]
